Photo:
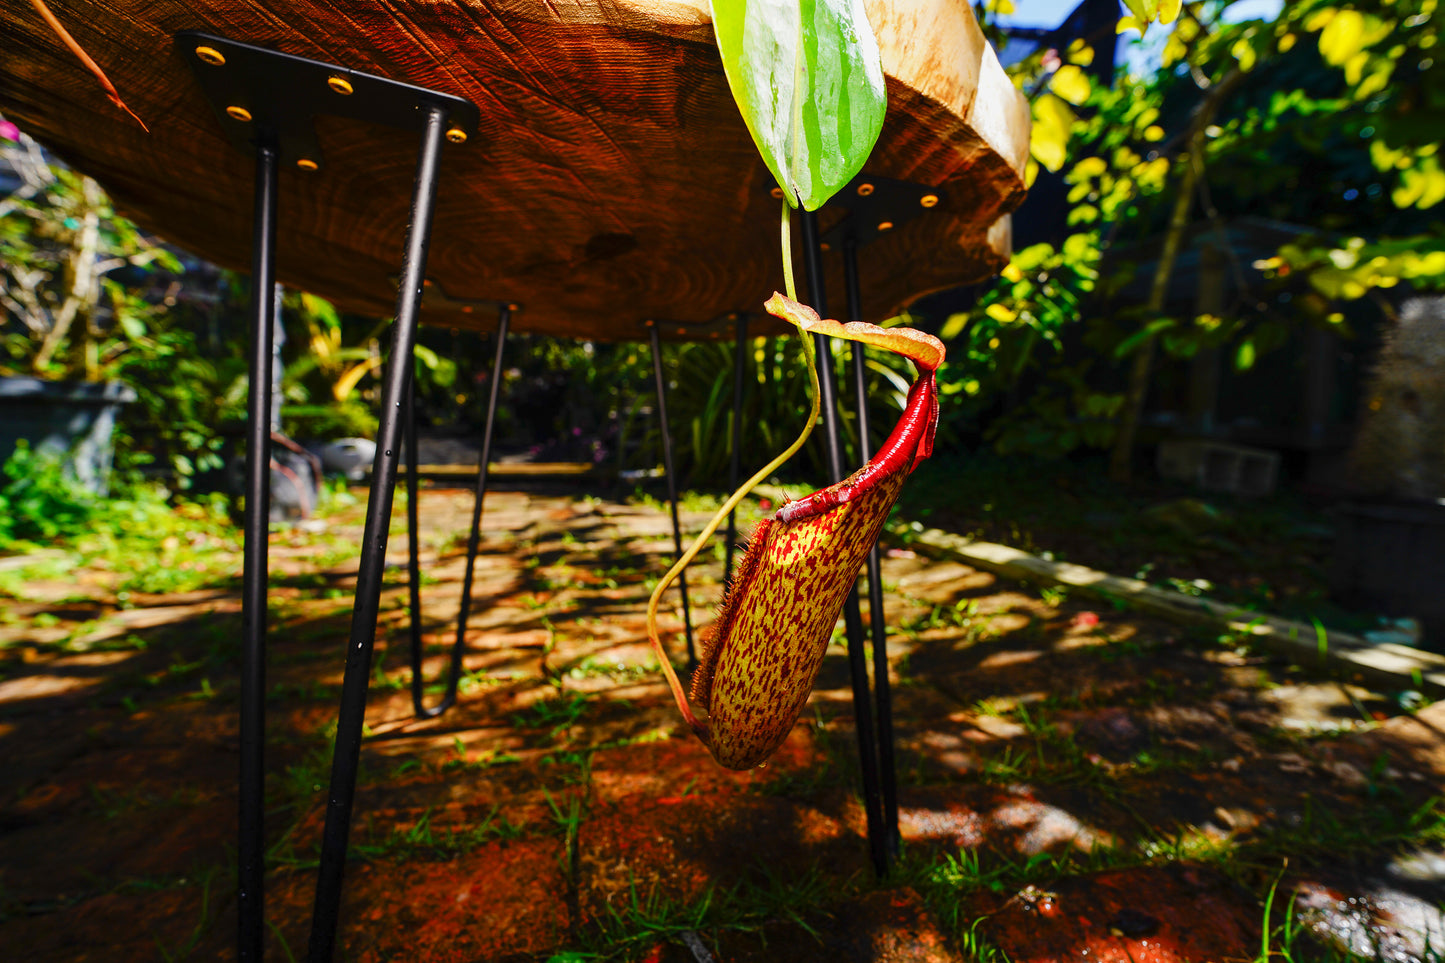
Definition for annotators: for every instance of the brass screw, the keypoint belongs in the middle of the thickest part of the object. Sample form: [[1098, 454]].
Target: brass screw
[[777, 193], [929, 200], [466, 309], [647, 323], [339, 84], [457, 136], [885, 226], [865, 189], [212, 56], [682, 330], [518, 307], [238, 113], [307, 164], [826, 246]]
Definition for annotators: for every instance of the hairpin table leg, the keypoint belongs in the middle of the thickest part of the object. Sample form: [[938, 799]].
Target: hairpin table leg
[[735, 464], [341, 793], [667, 467], [852, 616], [251, 862], [881, 692], [473, 541]]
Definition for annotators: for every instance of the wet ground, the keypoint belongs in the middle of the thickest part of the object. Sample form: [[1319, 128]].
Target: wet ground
[[1075, 783]]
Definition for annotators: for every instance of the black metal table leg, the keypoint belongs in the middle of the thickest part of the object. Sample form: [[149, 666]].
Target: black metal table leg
[[740, 332], [473, 540], [852, 616], [413, 529], [667, 468], [251, 862], [342, 790], [882, 695]]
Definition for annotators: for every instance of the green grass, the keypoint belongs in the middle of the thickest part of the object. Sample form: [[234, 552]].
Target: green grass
[[631, 926], [422, 840], [558, 714]]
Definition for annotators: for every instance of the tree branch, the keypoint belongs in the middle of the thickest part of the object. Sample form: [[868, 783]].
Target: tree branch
[[1122, 456]]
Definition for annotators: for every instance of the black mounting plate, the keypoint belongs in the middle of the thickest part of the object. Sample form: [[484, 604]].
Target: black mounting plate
[[876, 205], [435, 297], [694, 330], [259, 93]]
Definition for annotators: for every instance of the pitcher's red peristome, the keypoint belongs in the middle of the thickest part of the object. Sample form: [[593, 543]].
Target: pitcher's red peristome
[[761, 662]]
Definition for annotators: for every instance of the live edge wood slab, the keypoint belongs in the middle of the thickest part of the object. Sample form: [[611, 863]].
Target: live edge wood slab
[[611, 180]]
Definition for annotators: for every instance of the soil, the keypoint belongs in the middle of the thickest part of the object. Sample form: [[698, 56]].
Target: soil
[[1073, 783]]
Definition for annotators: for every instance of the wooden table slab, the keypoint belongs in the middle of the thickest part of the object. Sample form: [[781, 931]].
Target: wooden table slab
[[611, 181]]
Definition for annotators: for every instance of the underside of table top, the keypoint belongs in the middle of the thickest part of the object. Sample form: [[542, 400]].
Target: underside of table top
[[611, 180]]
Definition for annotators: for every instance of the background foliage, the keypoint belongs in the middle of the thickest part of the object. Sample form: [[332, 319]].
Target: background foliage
[[1324, 117]]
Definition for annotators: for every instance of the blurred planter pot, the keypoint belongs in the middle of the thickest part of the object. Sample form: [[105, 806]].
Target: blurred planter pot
[[74, 419], [1389, 558]]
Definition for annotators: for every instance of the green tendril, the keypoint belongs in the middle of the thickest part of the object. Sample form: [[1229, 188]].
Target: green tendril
[[701, 541]]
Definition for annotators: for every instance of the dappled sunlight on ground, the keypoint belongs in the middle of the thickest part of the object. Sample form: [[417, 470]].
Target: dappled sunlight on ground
[[1074, 782]]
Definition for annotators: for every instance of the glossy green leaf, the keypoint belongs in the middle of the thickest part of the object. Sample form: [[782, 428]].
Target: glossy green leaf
[[808, 79]]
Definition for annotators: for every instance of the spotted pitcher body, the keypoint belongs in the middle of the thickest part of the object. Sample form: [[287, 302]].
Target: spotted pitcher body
[[759, 665]]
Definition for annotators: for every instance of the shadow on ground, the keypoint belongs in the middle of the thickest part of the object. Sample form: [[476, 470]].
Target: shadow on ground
[[1074, 783]]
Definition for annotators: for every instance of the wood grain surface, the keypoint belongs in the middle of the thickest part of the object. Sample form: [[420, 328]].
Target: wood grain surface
[[611, 181]]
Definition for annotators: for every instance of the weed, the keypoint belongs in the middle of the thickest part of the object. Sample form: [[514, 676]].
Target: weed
[[611, 667], [559, 713], [651, 735], [1054, 596], [486, 759], [422, 840], [184, 950], [641, 921], [978, 947]]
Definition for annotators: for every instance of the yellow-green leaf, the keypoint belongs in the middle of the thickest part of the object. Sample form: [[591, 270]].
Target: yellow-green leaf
[[1071, 83], [1378, 79], [1421, 186], [1355, 67], [1000, 313], [1244, 357], [1175, 50], [1086, 168], [953, 327], [1320, 19], [1049, 140], [1343, 37], [1243, 52]]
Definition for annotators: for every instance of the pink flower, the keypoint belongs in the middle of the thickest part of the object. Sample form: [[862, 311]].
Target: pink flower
[[1085, 620], [9, 131]]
